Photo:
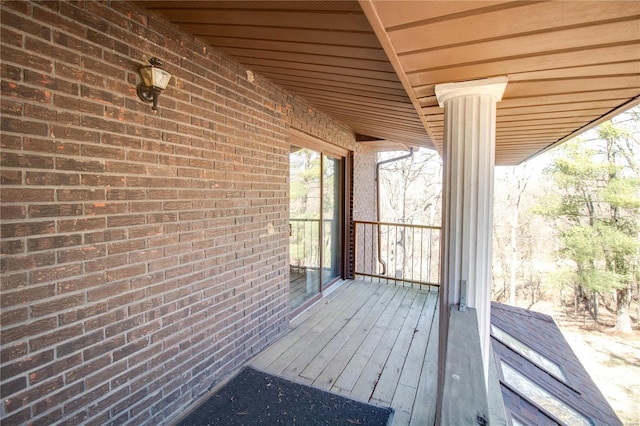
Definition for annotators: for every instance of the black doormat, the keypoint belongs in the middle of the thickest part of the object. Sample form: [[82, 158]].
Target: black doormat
[[256, 398]]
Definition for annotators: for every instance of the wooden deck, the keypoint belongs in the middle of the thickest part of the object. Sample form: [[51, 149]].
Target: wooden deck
[[369, 341]]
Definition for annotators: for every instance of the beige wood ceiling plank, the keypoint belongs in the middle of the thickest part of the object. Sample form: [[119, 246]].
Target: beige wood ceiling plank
[[526, 19], [384, 145], [322, 20], [619, 95], [590, 71], [425, 94], [323, 69], [295, 80], [432, 110], [284, 73], [400, 119], [399, 13], [374, 98], [545, 61], [576, 106], [579, 38], [519, 89], [327, 59], [358, 99], [338, 38], [542, 125], [552, 133], [519, 146], [428, 101], [373, 54], [580, 114], [307, 5]]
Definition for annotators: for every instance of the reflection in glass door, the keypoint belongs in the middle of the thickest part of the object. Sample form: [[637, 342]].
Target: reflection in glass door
[[315, 224], [331, 223]]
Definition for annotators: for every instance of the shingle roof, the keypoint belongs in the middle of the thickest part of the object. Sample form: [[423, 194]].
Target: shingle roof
[[540, 333]]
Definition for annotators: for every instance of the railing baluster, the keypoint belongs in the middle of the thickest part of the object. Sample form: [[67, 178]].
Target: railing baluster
[[417, 247]]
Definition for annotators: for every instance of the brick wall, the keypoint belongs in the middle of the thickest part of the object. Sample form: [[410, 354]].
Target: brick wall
[[364, 173], [144, 256]]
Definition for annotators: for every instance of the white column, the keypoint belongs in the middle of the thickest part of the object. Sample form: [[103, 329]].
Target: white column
[[467, 210]]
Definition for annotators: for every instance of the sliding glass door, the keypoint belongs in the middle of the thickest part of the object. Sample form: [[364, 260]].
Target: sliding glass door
[[315, 223], [331, 219]]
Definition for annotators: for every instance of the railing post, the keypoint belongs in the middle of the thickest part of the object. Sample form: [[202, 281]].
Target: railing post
[[355, 248]]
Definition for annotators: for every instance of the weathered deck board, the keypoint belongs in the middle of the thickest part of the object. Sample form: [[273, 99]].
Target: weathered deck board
[[283, 352], [337, 365], [425, 403], [369, 341]]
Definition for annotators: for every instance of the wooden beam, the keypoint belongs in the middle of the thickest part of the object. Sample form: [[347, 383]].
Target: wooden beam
[[464, 397]]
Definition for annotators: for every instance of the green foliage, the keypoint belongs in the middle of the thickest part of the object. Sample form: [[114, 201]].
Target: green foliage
[[597, 207]]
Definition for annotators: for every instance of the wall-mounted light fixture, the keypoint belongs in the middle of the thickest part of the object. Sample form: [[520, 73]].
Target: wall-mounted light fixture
[[154, 81]]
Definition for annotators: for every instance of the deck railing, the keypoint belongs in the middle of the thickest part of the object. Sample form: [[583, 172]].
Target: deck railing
[[397, 252], [304, 243]]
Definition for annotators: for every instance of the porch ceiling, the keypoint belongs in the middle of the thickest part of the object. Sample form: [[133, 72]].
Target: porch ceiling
[[374, 64], [324, 51]]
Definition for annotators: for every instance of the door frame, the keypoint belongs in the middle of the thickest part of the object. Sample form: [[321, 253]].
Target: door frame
[[304, 140]]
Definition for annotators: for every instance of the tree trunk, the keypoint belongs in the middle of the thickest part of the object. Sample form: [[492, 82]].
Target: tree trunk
[[514, 256], [623, 324]]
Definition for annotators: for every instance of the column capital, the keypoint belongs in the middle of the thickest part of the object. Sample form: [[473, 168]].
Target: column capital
[[493, 87]]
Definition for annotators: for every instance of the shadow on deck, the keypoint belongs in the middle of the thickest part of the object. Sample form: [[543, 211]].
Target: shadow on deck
[[369, 341]]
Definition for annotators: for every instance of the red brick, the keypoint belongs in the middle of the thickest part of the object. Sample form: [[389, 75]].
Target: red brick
[[9, 107], [55, 20], [27, 364], [125, 299], [17, 263], [54, 210], [80, 194], [50, 418], [51, 146], [14, 281], [86, 281], [56, 273], [79, 165], [26, 59], [94, 351], [53, 369], [19, 400], [8, 212], [55, 337], [59, 304], [81, 253], [50, 243], [86, 399], [13, 386], [13, 351], [79, 105], [51, 83], [106, 320], [10, 159], [28, 295], [50, 50], [19, 418], [86, 340], [79, 225], [9, 317], [106, 374]]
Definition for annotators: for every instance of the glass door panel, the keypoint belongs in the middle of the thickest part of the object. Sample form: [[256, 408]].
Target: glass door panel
[[304, 224], [331, 219]]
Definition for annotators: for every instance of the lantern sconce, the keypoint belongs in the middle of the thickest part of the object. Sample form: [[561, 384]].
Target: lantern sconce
[[154, 80]]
